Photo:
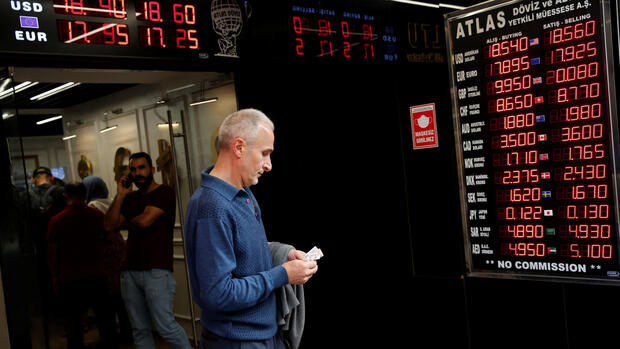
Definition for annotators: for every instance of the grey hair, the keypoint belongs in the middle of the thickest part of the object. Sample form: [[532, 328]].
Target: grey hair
[[244, 124]]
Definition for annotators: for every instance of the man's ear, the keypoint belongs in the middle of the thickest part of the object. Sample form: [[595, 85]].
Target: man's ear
[[239, 147]]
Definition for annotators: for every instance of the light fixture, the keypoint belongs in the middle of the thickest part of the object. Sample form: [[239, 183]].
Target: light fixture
[[7, 115], [451, 6], [5, 84], [109, 128], [180, 88], [54, 91], [68, 137], [165, 124], [203, 101], [45, 121], [419, 3], [24, 85], [428, 4]]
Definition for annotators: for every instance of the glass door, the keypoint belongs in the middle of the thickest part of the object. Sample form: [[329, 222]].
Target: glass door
[[25, 283], [96, 123]]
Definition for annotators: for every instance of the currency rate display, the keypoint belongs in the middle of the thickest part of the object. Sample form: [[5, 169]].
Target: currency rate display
[[157, 29], [537, 138]]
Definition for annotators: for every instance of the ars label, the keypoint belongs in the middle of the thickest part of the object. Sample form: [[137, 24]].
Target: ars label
[[424, 126]]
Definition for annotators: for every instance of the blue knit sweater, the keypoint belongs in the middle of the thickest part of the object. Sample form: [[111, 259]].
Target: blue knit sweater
[[231, 273]]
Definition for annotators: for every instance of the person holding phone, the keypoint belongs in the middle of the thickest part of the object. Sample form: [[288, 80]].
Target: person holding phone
[[147, 286]]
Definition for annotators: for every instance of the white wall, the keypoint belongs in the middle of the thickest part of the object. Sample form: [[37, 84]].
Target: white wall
[[49, 151]]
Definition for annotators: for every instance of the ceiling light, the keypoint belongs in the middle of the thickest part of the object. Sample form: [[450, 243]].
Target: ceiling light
[[5, 84], [428, 4], [451, 6], [110, 128], [24, 85], [7, 115], [203, 101], [181, 88], [419, 3], [45, 121], [54, 91], [68, 137], [165, 124]]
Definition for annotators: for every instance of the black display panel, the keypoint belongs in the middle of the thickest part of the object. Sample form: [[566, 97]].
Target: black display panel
[[190, 30], [536, 138], [337, 32]]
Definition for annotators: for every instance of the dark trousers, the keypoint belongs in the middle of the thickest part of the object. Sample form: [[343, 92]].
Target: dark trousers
[[77, 296], [208, 340]]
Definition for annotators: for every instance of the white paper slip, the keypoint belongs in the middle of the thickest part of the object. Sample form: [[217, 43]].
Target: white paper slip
[[314, 254]]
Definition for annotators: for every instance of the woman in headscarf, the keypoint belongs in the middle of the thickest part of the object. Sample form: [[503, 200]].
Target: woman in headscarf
[[114, 253]]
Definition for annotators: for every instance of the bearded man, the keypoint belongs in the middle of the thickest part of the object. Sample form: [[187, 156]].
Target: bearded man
[[147, 284]]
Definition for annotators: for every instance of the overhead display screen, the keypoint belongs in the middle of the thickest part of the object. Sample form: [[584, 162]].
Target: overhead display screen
[[536, 138], [109, 28]]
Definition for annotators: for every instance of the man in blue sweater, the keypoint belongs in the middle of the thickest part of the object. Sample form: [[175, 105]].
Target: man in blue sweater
[[231, 274]]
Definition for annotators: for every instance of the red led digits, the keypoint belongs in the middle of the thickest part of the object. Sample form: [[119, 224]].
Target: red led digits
[[518, 194], [593, 251], [582, 192], [580, 172], [573, 93], [571, 53], [575, 113], [508, 66], [93, 33], [513, 140], [506, 104], [577, 133], [519, 231], [528, 249], [579, 152], [506, 47], [329, 35], [514, 84], [572, 73], [160, 11], [511, 122], [511, 213], [585, 231], [569, 32], [517, 176], [584, 211], [184, 14], [187, 38], [93, 8], [515, 158]]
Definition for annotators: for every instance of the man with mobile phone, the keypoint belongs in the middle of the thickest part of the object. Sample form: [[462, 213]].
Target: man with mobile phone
[[147, 286]]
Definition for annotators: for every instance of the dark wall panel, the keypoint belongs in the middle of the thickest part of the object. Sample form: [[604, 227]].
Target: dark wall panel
[[337, 183]]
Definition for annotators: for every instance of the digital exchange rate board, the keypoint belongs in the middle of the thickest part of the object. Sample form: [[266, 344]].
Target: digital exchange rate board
[[536, 138]]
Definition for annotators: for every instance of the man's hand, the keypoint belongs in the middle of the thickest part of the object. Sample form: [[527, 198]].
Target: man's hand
[[120, 188], [299, 271], [296, 254]]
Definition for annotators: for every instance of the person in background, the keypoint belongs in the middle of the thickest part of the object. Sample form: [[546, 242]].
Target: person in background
[[147, 286], [75, 245], [43, 200], [230, 264], [113, 255]]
